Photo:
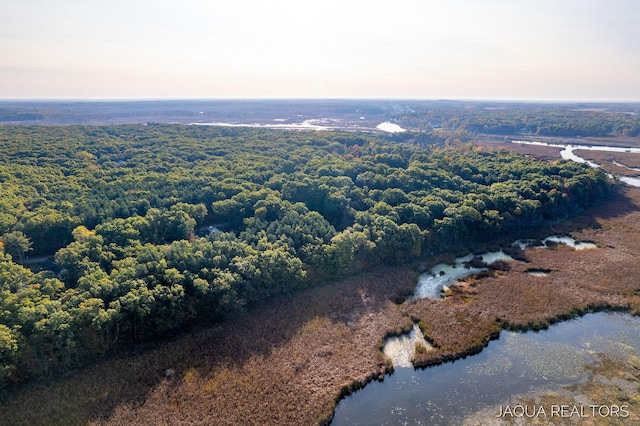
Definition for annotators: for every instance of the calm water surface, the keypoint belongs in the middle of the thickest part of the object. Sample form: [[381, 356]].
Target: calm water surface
[[516, 364], [431, 284]]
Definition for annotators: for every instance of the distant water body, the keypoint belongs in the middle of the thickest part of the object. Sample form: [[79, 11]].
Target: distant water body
[[567, 154], [390, 127], [310, 124]]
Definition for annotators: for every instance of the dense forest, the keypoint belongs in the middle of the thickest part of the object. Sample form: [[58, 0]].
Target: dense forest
[[560, 120], [129, 212], [576, 119]]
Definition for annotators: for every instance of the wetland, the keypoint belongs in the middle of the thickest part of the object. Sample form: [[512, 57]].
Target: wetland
[[292, 360], [515, 367], [338, 233]]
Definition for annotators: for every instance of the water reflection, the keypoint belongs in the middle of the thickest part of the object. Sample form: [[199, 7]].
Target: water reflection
[[516, 364], [436, 281], [556, 239], [443, 275], [402, 349]]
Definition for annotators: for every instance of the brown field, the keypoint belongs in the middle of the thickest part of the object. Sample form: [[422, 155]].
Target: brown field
[[606, 160], [621, 141], [291, 359], [497, 142], [547, 153]]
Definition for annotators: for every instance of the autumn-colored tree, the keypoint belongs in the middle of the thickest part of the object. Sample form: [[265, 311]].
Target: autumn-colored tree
[[16, 243]]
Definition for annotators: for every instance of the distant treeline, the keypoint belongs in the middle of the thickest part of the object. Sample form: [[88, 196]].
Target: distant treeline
[[504, 118], [121, 205], [529, 119], [7, 114], [361, 112]]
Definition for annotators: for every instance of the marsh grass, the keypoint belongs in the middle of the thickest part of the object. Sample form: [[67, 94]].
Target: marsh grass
[[607, 160], [289, 360], [610, 382], [283, 362]]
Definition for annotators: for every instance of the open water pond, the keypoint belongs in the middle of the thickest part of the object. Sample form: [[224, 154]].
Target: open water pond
[[431, 284], [557, 239], [516, 364], [401, 349], [434, 282]]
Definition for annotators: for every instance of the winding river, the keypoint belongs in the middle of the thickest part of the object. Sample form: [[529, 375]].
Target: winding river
[[518, 365], [567, 154], [480, 386], [515, 365]]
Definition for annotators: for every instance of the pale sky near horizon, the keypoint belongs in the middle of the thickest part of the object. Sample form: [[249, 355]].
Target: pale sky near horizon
[[428, 49]]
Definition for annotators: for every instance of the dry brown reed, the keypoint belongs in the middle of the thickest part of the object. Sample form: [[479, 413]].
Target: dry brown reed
[[288, 361], [607, 159]]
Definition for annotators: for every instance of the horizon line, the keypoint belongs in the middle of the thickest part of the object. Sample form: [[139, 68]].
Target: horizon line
[[284, 99]]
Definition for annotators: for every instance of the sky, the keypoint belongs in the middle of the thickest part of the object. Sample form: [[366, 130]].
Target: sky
[[401, 49]]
